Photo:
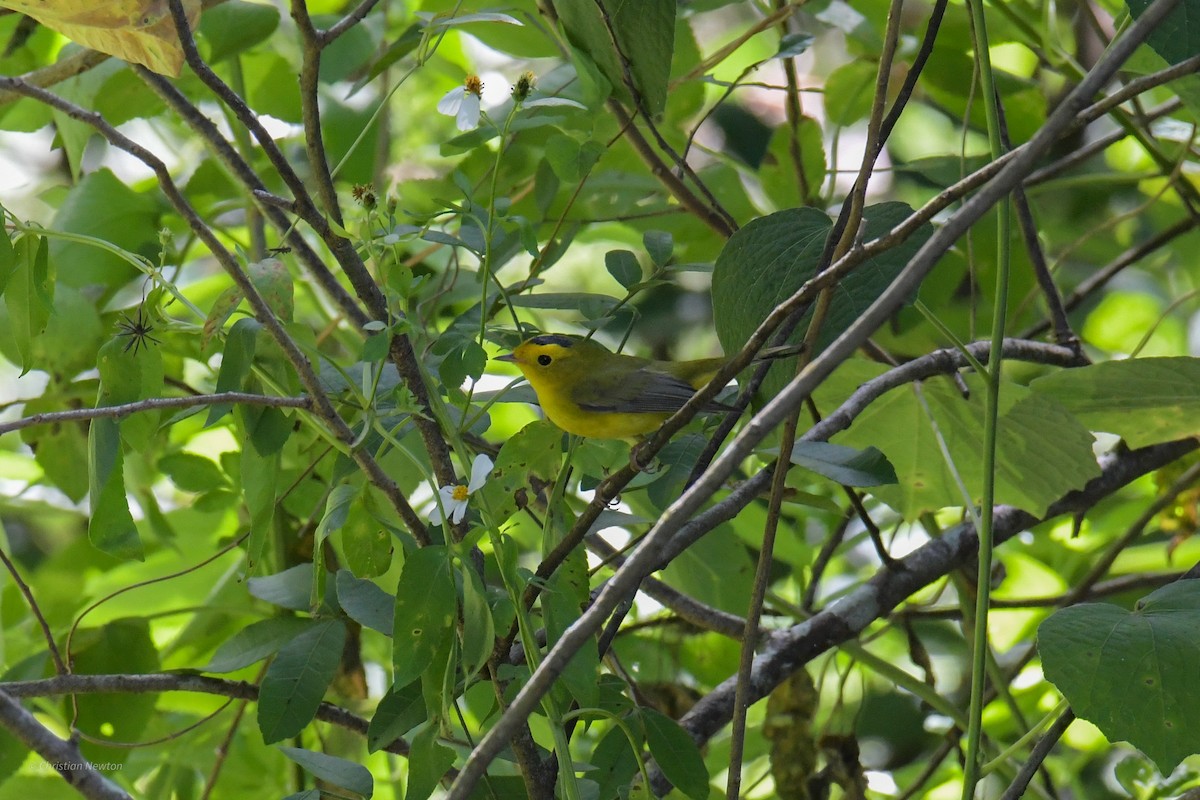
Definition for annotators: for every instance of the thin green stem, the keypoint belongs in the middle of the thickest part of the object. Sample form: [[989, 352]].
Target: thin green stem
[[979, 649], [958, 343]]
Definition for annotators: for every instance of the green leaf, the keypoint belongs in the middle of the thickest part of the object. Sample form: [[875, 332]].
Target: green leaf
[[427, 763], [1132, 674], [273, 281], [126, 377], [771, 257], [794, 44], [716, 570], [259, 479], [104, 207], [297, 679], [230, 28], [676, 462], [256, 641], [337, 508], [1177, 37], [236, 361], [466, 360], [367, 543], [780, 183], [849, 90], [844, 465], [405, 43], [267, 427], [659, 245], [193, 473], [110, 526], [479, 630], [623, 266], [59, 449], [331, 769], [121, 647], [535, 450], [124, 96], [899, 426], [645, 33], [13, 753], [565, 594], [676, 754], [29, 296], [571, 159], [8, 258], [398, 712], [72, 336], [265, 72], [365, 603], [1143, 400], [426, 608], [563, 300], [290, 589], [613, 763]]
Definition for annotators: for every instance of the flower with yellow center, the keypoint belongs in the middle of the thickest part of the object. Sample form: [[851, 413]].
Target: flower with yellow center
[[454, 499], [462, 103]]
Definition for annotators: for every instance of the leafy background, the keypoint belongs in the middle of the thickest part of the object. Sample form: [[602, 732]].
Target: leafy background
[[251, 284]]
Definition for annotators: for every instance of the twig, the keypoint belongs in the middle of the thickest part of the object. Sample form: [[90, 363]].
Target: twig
[[155, 404], [1135, 529], [1113, 268], [171, 682], [222, 749], [639, 103], [74, 64], [844, 619], [1122, 585], [59, 665], [270, 203], [311, 44], [61, 754], [1063, 334], [1037, 755], [347, 22]]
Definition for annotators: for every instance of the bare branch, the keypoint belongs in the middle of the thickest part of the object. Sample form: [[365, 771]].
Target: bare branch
[[170, 682], [347, 22], [61, 754], [790, 649], [1037, 755], [155, 404]]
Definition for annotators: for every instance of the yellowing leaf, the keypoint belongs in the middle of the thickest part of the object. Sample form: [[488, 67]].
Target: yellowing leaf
[[139, 31]]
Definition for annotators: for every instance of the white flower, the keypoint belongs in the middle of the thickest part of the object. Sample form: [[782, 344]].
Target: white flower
[[462, 103], [454, 498]]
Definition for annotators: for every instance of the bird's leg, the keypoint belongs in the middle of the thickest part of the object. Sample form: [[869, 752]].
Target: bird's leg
[[635, 458]]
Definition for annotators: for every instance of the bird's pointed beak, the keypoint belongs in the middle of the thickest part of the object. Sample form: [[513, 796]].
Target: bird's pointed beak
[[509, 357]]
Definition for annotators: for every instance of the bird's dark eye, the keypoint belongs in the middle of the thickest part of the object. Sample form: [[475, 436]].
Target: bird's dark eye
[[544, 360]]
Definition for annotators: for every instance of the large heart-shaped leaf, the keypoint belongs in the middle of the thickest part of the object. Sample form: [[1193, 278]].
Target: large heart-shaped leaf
[[1143, 400], [1132, 673]]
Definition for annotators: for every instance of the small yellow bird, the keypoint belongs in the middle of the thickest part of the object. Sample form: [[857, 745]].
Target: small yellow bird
[[586, 389]]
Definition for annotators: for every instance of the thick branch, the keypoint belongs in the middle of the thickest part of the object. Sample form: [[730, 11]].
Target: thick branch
[[61, 754], [843, 620]]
